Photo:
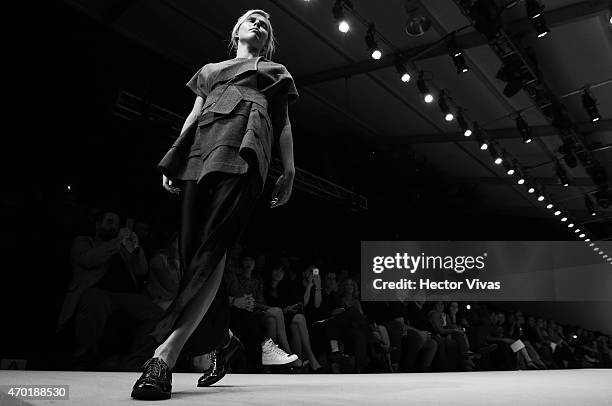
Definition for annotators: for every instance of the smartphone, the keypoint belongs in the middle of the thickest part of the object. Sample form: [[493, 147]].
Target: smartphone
[[129, 224], [315, 271]]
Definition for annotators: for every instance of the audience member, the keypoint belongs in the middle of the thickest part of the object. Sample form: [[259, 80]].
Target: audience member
[[249, 313], [106, 282]]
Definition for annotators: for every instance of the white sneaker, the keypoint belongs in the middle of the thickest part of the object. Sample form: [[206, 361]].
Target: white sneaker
[[272, 355]]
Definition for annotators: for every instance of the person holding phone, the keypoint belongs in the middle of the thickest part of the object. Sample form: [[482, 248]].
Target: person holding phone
[[218, 165]]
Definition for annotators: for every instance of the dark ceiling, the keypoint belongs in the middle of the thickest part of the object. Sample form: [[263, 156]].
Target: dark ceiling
[[355, 112]]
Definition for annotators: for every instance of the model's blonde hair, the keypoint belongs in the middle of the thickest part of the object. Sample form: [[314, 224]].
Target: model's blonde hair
[[269, 47]]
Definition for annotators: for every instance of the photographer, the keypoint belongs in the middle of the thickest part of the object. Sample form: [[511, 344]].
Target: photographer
[[105, 283]]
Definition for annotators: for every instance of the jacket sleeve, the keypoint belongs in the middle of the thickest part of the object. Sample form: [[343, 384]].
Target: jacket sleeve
[[197, 83], [279, 82]]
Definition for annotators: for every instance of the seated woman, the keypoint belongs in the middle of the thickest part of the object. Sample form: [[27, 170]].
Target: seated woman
[[455, 337], [292, 298], [516, 331], [254, 321]]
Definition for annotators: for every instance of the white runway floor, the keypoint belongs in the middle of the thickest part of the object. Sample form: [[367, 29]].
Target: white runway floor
[[516, 388]]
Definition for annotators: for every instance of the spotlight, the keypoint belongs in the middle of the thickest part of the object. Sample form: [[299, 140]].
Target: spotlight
[[401, 69], [453, 48], [592, 244], [590, 105], [589, 205], [587, 240], [570, 225], [540, 26], [463, 124], [581, 235], [448, 116], [577, 230], [560, 115], [557, 212], [603, 197], [511, 73], [541, 199], [520, 178], [482, 142], [563, 219], [561, 174], [531, 190], [487, 18], [339, 16], [507, 165], [417, 23], [524, 129], [456, 54], [550, 206], [567, 150], [534, 9], [371, 42], [423, 88], [496, 156]]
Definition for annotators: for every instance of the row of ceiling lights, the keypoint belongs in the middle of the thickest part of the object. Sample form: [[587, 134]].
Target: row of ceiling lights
[[535, 14]]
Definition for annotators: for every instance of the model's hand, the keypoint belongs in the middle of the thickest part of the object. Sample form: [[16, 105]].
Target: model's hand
[[167, 184], [282, 189]]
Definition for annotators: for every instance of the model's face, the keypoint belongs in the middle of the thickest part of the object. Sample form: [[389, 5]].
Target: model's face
[[254, 31]]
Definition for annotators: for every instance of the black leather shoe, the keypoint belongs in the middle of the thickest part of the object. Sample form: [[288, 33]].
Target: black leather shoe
[[219, 363], [155, 382]]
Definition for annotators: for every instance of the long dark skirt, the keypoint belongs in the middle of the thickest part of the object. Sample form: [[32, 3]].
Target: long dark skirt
[[214, 213]]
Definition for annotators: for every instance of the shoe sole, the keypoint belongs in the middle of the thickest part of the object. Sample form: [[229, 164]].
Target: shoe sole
[[288, 360], [205, 385], [147, 394]]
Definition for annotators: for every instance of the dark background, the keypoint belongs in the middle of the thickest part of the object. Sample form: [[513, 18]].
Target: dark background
[[66, 71]]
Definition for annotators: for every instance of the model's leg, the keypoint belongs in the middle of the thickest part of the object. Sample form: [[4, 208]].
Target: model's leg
[[191, 316], [213, 215], [211, 334]]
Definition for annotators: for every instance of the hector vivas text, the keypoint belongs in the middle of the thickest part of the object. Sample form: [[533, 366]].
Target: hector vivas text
[[411, 264]]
